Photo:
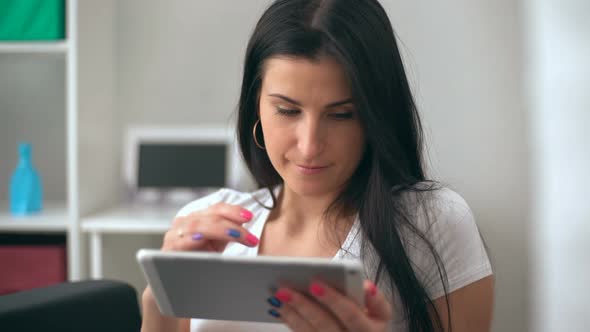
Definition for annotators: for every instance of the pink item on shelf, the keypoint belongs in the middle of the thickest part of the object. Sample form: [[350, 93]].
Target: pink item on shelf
[[24, 267]]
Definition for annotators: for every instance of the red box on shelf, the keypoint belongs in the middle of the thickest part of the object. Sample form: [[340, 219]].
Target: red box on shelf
[[24, 267]]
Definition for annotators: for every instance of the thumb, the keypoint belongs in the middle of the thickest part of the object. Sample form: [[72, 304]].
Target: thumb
[[377, 305]]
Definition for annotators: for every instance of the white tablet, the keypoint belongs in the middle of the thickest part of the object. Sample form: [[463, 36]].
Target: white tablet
[[212, 286]]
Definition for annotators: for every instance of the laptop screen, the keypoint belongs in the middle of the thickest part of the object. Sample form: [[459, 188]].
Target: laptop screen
[[182, 165]]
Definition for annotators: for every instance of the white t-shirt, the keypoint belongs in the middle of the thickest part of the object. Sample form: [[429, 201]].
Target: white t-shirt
[[452, 231]]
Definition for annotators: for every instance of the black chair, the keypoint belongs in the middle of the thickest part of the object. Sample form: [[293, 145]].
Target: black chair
[[95, 305]]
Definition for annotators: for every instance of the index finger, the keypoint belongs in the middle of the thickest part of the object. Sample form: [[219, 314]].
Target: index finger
[[234, 213]]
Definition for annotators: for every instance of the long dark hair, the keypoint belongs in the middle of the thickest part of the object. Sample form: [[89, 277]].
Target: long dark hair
[[358, 34]]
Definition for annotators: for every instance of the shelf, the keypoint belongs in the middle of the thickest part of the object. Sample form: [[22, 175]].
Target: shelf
[[56, 47], [53, 218], [131, 219]]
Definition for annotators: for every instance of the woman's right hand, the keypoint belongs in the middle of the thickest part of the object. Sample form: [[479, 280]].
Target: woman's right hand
[[210, 229], [206, 230]]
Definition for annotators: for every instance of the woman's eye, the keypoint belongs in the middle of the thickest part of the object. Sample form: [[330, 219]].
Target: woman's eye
[[342, 116], [287, 112]]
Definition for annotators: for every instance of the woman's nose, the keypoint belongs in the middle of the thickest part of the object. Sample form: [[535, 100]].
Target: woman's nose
[[310, 139]]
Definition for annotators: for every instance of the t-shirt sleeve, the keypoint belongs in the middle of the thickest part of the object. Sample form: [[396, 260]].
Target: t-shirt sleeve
[[451, 228]]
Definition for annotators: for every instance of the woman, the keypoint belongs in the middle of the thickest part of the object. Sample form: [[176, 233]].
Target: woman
[[328, 127]]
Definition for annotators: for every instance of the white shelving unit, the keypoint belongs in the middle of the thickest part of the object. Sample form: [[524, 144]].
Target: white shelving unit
[[56, 216], [89, 125], [104, 60]]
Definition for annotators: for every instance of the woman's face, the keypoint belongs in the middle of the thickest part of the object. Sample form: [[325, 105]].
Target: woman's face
[[312, 132]]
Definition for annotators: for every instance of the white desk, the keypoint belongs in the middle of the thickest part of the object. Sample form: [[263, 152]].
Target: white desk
[[127, 219]]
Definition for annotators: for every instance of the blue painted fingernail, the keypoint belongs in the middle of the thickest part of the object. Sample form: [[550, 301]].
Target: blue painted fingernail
[[273, 301], [197, 236], [233, 233], [274, 313]]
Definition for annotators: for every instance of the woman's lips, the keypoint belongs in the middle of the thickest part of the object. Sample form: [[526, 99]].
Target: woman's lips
[[309, 170]]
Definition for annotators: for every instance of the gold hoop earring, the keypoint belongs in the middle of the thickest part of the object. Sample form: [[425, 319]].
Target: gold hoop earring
[[254, 135]]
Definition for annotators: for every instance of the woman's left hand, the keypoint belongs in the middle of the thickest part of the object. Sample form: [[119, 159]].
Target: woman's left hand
[[329, 310]]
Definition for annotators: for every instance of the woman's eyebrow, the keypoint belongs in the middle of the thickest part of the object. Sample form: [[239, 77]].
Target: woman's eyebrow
[[295, 102]]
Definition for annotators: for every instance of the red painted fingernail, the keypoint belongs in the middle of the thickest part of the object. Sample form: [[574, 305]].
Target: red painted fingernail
[[316, 290], [246, 214], [372, 289], [283, 296], [253, 240]]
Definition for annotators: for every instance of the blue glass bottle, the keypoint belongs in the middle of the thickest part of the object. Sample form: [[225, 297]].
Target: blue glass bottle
[[26, 191]]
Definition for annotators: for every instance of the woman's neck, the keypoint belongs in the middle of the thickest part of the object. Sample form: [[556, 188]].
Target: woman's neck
[[300, 214], [296, 227]]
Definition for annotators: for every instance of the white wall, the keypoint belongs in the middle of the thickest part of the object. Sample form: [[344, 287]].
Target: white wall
[[180, 62], [558, 77], [464, 59]]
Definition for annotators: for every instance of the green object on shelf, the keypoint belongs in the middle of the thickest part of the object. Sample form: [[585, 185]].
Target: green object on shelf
[[26, 20]]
